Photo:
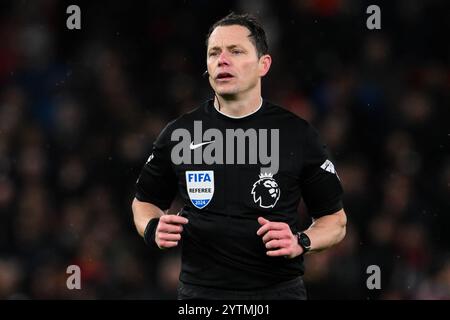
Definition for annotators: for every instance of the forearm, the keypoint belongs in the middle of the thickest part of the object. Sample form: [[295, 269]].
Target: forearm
[[142, 213], [327, 231]]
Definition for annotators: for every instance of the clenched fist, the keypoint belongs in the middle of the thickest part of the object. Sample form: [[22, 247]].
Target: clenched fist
[[169, 229]]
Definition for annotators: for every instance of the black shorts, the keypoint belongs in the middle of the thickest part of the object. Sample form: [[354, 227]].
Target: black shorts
[[289, 290]]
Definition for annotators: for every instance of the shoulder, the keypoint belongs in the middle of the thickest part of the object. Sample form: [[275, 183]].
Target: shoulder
[[187, 118], [288, 118], [198, 112]]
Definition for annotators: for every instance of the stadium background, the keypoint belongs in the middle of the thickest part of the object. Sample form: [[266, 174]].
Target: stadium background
[[79, 110]]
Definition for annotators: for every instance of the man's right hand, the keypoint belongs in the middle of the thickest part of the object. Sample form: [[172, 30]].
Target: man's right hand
[[168, 231]]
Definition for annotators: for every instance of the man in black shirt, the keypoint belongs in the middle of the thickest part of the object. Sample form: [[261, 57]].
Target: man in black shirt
[[241, 165]]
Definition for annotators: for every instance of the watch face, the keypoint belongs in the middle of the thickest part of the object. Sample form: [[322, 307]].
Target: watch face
[[304, 240]]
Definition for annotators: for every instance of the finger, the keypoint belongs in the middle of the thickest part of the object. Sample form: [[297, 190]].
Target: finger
[[169, 236], [261, 231], [173, 219], [264, 228], [278, 253], [167, 244], [274, 234], [169, 228], [262, 221], [271, 226], [274, 244]]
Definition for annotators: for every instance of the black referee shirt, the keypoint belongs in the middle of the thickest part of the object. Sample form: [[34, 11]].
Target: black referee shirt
[[229, 171]]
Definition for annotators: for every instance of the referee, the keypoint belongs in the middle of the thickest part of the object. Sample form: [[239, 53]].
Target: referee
[[241, 165]]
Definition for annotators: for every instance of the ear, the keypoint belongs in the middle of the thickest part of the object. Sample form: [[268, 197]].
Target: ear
[[264, 64]]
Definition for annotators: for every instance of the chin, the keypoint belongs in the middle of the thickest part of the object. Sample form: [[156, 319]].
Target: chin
[[226, 92]]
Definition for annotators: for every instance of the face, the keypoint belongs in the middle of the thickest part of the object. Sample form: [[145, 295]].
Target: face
[[233, 63]]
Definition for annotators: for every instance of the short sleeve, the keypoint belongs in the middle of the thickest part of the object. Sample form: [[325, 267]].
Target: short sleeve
[[320, 184], [157, 182]]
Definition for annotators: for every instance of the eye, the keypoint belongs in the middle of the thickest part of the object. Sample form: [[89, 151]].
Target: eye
[[213, 53], [236, 52]]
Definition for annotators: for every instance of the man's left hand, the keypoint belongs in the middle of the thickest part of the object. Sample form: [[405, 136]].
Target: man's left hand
[[278, 239]]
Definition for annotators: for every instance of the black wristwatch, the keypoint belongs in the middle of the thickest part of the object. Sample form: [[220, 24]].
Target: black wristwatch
[[304, 241]]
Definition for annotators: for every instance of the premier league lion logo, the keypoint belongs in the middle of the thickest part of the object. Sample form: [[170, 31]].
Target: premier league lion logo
[[266, 191]]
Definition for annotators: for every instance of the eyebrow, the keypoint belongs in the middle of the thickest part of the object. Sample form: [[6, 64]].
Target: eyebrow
[[233, 46]]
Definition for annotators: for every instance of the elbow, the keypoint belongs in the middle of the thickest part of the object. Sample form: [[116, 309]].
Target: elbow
[[342, 234], [133, 206], [139, 216], [342, 225], [134, 209]]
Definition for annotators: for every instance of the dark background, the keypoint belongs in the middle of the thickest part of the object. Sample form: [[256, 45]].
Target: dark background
[[79, 110]]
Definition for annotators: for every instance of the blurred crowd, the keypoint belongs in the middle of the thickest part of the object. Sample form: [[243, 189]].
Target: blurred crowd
[[79, 110]]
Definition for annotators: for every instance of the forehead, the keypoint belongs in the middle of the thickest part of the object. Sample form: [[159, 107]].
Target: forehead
[[224, 36]]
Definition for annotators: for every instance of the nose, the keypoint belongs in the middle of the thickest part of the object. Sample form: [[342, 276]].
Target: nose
[[223, 59]]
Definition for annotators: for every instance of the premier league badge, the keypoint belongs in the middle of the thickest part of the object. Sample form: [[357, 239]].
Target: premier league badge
[[200, 187], [266, 191]]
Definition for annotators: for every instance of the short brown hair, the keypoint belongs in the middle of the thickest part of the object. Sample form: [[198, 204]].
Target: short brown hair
[[257, 34]]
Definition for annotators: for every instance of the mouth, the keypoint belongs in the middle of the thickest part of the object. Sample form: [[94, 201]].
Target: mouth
[[224, 76]]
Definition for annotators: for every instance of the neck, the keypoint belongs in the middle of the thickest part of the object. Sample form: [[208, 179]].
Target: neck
[[238, 107]]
